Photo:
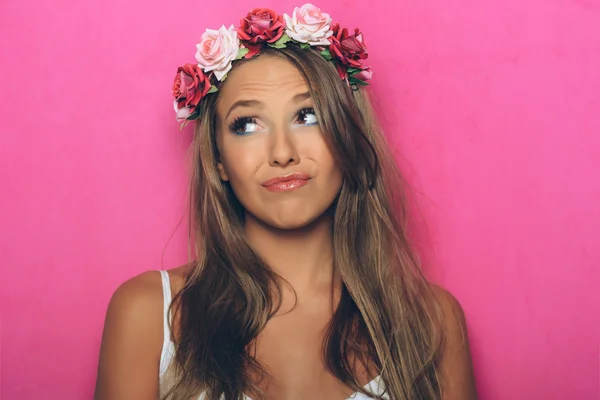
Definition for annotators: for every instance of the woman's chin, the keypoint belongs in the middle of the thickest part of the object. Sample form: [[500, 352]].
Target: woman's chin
[[289, 221]]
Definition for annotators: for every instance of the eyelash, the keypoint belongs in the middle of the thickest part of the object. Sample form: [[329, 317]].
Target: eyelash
[[239, 123]]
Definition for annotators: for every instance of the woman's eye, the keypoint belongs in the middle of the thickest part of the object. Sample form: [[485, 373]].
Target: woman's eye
[[307, 116], [244, 126]]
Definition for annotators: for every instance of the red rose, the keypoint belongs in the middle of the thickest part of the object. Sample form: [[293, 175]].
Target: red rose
[[261, 25], [347, 49], [189, 88]]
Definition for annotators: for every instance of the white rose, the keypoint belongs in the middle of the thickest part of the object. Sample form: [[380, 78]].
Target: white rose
[[217, 49], [309, 25]]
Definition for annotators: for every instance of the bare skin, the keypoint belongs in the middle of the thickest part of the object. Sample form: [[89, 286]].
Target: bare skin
[[290, 230]]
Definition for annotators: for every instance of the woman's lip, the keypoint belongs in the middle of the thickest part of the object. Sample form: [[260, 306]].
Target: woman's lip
[[285, 186], [296, 176]]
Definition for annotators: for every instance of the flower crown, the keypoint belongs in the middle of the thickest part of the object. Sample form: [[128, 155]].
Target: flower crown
[[307, 27]]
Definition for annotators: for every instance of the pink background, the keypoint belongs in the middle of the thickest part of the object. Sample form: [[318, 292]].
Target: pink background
[[494, 106]]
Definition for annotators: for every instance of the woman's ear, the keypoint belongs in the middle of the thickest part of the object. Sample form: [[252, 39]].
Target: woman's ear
[[222, 173]]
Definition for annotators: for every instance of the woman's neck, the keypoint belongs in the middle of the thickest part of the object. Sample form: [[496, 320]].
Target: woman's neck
[[303, 257]]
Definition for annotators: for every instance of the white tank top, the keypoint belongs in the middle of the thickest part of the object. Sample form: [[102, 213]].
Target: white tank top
[[168, 349]]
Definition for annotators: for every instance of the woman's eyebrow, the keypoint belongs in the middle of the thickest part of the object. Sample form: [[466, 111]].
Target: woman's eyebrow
[[300, 97], [256, 103], [244, 103]]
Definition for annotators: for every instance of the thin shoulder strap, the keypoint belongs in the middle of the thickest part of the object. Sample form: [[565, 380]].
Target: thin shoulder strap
[[166, 285]]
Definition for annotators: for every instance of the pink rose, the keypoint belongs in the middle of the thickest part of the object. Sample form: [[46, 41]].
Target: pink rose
[[189, 88], [217, 49], [261, 25], [309, 25], [364, 75]]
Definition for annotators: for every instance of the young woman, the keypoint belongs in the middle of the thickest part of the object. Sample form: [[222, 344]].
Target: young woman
[[303, 285]]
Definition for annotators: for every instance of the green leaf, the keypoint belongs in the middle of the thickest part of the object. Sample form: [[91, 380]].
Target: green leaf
[[213, 89], [305, 46], [282, 40], [277, 46], [195, 115], [241, 53], [355, 81], [326, 55], [353, 71]]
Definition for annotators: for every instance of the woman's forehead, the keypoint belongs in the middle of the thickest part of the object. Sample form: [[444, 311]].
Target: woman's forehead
[[265, 76]]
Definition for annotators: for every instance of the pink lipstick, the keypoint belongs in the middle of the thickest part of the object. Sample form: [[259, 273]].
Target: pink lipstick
[[286, 183]]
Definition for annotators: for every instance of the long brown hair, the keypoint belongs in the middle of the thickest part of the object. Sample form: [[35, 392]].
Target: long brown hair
[[386, 317]]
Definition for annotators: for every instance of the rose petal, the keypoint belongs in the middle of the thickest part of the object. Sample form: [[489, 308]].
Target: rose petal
[[182, 113]]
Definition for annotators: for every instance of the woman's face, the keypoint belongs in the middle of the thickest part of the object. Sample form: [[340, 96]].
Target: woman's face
[[271, 148]]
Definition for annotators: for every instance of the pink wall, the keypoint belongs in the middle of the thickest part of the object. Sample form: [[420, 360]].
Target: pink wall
[[494, 104]]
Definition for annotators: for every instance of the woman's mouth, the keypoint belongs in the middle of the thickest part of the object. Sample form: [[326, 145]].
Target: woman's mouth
[[287, 182]]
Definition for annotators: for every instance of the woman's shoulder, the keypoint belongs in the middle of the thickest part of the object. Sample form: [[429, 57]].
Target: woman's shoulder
[[453, 321], [135, 307], [133, 337], [143, 293], [140, 293], [138, 303], [455, 364], [449, 305]]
